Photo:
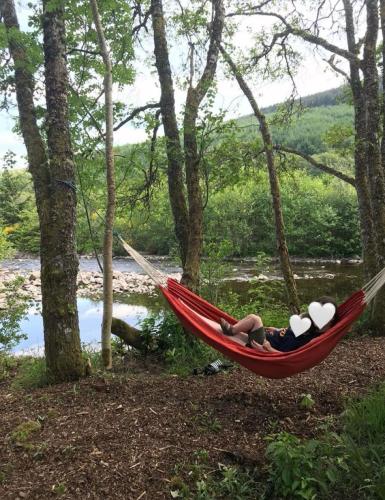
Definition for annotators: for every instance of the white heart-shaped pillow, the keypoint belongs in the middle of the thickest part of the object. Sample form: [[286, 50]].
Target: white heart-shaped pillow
[[321, 314], [299, 325]]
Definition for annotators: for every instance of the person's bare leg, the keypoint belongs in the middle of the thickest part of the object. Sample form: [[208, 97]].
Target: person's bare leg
[[248, 324], [210, 322]]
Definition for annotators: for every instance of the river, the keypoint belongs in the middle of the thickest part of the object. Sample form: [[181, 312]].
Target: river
[[313, 278]]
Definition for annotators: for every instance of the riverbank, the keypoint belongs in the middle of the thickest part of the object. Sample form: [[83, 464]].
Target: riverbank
[[129, 278], [90, 283]]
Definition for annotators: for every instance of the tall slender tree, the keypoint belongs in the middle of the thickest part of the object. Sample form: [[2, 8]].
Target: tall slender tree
[[110, 178], [359, 22], [275, 189]]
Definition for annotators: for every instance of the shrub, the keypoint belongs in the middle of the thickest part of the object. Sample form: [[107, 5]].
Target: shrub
[[180, 351], [6, 248], [14, 309], [319, 468]]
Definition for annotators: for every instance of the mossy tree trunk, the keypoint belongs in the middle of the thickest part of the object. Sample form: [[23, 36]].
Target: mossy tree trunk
[[188, 216], [59, 260], [194, 98], [173, 147], [53, 179]]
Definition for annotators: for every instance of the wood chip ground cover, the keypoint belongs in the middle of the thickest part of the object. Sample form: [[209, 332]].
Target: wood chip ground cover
[[121, 438]]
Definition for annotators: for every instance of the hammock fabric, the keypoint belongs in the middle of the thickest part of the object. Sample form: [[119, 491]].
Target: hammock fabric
[[189, 308], [186, 304]]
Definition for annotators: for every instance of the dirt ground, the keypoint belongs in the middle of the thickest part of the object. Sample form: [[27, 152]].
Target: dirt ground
[[121, 437]]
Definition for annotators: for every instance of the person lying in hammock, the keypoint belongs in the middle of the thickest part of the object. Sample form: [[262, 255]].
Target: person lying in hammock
[[250, 331]]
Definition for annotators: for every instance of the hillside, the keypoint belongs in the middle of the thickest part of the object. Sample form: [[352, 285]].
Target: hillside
[[306, 131]]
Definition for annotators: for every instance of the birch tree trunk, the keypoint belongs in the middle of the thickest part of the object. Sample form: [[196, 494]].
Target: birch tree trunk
[[110, 178], [274, 188]]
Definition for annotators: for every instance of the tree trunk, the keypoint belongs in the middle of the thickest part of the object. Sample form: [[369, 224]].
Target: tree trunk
[[173, 146], [194, 99], [369, 175], [368, 239], [110, 178], [53, 180], [130, 335], [25, 85], [59, 261], [274, 187], [376, 148], [373, 153]]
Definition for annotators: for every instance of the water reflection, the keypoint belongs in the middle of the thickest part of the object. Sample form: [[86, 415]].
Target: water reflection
[[313, 279], [90, 318]]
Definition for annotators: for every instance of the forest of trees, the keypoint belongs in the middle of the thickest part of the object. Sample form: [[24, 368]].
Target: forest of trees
[[69, 130], [305, 177], [248, 225]]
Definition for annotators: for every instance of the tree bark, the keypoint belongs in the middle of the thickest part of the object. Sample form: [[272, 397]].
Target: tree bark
[[53, 180], [59, 261], [195, 96], [130, 335], [25, 85], [110, 179], [173, 146], [274, 187]]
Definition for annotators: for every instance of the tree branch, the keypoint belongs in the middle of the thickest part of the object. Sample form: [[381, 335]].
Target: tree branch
[[305, 35], [135, 112], [331, 63], [212, 52], [143, 19], [84, 51], [317, 164]]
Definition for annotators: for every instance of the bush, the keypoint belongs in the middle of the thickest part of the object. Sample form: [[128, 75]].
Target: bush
[[6, 248], [319, 468], [267, 299], [181, 352]]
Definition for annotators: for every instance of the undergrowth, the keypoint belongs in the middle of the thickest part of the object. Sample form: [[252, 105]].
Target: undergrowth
[[199, 480], [347, 464], [31, 373], [350, 464], [180, 351]]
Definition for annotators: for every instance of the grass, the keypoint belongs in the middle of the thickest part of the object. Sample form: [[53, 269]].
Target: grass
[[22, 434], [31, 374]]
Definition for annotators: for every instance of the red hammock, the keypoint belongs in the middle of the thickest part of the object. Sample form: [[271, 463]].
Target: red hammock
[[272, 365], [188, 306]]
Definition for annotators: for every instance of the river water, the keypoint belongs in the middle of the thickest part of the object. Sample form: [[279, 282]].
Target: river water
[[313, 278]]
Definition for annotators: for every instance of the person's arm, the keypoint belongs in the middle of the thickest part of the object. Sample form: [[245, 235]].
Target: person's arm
[[267, 347], [257, 346]]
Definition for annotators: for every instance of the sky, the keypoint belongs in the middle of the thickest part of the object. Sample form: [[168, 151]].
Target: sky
[[312, 77]]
